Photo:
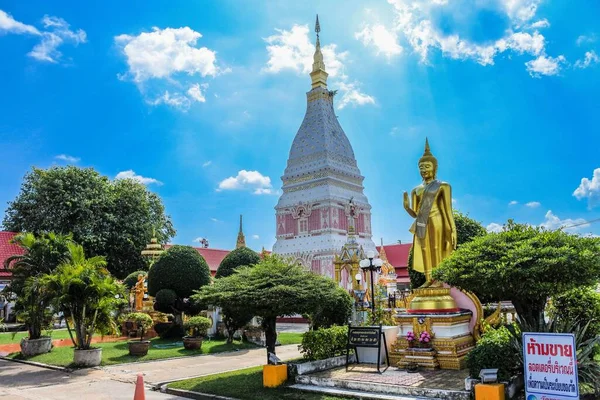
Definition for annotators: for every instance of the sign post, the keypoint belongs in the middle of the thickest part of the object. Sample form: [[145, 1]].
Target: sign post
[[370, 337], [550, 364]]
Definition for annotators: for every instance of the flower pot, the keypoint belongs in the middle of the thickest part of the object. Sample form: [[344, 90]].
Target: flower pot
[[87, 358], [192, 343], [33, 347], [138, 348]]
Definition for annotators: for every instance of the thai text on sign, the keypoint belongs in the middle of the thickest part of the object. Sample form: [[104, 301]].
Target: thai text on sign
[[550, 363]]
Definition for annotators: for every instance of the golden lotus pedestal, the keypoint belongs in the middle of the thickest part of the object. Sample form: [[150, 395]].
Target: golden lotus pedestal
[[434, 310]]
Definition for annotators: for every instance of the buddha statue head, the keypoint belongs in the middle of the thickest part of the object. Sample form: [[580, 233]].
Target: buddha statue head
[[428, 164]]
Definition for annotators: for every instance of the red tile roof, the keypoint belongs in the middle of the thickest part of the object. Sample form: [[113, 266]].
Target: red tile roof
[[8, 249], [397, 255], [213, 257]]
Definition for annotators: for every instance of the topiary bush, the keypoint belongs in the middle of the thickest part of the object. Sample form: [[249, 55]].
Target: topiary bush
[[132, 278], [236, 258], [197, 326], [335, 310], [181, 269], [324, 343], [165, 301], [578, 306], [494, 350]]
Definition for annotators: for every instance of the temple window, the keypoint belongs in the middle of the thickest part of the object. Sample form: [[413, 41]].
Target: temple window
[[303, 225]]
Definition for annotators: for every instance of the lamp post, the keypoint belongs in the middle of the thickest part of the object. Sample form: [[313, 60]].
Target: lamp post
[[371, 264]]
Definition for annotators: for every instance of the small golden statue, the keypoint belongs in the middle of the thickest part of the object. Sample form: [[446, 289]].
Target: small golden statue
[[140, 289], [434, 232]]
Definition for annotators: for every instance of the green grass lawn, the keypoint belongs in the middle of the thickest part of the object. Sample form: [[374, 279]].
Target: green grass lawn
[[7, 337], [118, 352], [245, 384], [289, 338]]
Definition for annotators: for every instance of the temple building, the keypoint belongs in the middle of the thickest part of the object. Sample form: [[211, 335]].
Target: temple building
[[322, 185]]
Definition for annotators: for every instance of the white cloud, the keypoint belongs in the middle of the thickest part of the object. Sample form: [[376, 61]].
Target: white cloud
[[247, 180], [585, 39], [545, 66], [533, 204], [47, 49], [352, 95], [590, 58], [198, 239], [165, 52], [206, 164], [166, 61], [542, 23], [176, 100], [67, 158], [215, 220], [570, 225], [256, 237], [130, 174], [195, 93], [447, 26], [513, 203], [293, 50], [9, 25], [494, 227], [383, 39], [590, 189], [56, 32]]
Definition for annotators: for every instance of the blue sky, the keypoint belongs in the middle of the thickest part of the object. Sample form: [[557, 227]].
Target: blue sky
[[201, 101]]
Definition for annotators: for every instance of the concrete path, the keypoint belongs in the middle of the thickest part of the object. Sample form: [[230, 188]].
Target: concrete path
[[186, 367], [21, 381]]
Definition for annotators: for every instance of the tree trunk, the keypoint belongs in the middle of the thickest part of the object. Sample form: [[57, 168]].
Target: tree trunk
[[532, 313], [230, 334], [270, 328]]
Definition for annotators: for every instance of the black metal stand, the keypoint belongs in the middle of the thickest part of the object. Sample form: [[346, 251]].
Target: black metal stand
[[369, 337]]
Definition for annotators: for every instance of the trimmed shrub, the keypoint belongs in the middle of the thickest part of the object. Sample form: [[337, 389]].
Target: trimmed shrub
[[181, 269], [578, 306], [169, 330], [336, 310], [197, 326], [236, 258], [132, 278], [494, 350], [324, 343]]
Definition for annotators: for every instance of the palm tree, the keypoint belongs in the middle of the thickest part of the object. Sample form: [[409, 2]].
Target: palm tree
[[85, 292], [42, 255]]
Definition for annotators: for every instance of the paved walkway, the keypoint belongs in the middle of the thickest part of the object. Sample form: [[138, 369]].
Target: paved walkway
[[6, 349], [20, 381]]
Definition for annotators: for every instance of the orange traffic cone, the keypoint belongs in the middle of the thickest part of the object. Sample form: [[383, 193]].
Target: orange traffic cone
[[139, 388]]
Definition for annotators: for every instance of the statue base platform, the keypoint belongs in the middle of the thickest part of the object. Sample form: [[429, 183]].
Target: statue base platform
[[432, 300], [451, 340]]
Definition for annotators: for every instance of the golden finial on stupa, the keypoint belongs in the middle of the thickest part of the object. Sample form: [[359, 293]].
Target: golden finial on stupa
[[153, 249], [382, 254], [318, 74], [241, 240]]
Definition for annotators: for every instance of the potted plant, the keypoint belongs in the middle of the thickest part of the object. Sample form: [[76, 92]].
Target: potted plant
[[32, 308], [143, 323], [424, 340], [87, 295], [197, 326], [410, 338]]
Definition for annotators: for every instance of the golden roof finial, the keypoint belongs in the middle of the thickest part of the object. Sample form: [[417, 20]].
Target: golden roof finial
[[382, 254], [318, 74], [241, 240]]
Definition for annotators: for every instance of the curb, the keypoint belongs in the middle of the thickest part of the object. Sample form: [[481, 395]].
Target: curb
[[196, 395], [38, 364], [161, 386]]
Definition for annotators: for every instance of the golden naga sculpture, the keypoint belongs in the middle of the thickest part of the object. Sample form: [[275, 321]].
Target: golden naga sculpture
[[434, 233], [434, 229], [140, 289]]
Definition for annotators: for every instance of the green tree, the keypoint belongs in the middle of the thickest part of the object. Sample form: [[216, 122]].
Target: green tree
[[335, 310], [467, 229], [236, 258], [273, 287], [525, 265], [86, 293], [112, 218], [174, 277], [580, 305], [42, 255]]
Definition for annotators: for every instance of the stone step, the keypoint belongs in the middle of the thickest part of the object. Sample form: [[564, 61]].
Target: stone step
[[382, 388], [353, 394]]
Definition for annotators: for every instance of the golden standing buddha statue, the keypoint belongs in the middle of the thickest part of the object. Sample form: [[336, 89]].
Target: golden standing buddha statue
[[140, 289], [434, 233]]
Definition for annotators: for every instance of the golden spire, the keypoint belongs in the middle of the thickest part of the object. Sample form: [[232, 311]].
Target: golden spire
[[318, 74], [241, 240], [382, 254], [153, 249]]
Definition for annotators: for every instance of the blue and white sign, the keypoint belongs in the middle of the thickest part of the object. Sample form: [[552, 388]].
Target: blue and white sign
[[550, 363]]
